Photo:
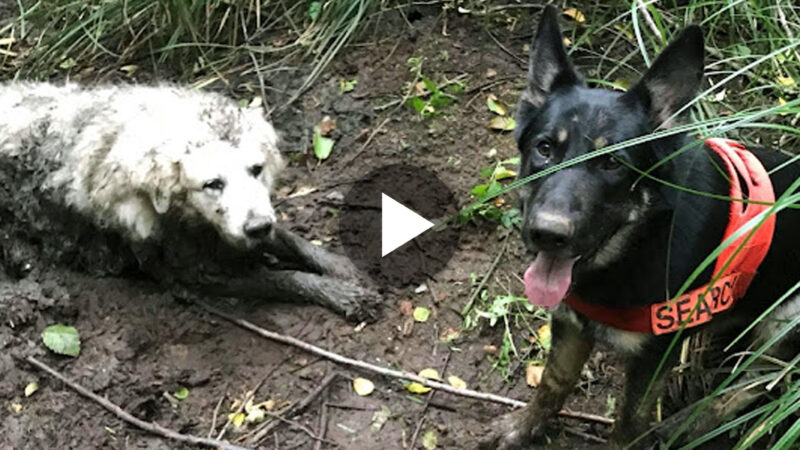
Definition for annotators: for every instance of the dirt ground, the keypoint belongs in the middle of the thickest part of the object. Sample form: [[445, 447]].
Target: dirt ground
[[139, 344]]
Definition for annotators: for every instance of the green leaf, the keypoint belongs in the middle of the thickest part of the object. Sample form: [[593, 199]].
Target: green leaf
[[503, 123], [421, 314], [496, 106], [417, 103], [430, 85], [323, 146], [429, 440], [347, 85], [62, 339], [314, 8], [181, 393], [479, 190]]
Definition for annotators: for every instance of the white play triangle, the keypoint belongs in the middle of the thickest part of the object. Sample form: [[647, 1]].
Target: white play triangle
[[399, 224]]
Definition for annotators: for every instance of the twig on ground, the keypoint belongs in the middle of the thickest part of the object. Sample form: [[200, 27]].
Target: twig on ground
[[216, 414], [300, 427], [522, 62], [153, 427], [428, 403], [369, 140], [322, 427], [587, 436], [297, 408], [486, 277], [253, 395], [388, 372]]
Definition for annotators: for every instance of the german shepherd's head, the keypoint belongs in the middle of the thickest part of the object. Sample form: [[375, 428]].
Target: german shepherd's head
[[581, 218]]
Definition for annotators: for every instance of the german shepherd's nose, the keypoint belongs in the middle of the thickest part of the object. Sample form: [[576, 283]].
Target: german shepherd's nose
[[551, 231]]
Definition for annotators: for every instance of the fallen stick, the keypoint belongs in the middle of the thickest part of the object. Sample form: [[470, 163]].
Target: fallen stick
[[153, 427], [294, 409], [391, 372]]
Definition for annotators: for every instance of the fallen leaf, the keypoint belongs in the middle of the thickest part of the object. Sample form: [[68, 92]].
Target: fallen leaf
[[533, 374], [495, 105], [129, 69], [7, 41], [449, 335], [456, 382], [268, 405], [302, 191], [181, 393], [502, 173], [380, 417], [429, 440], [502, 123], [491, 73], [67, 64], [417, 388], [327, 126], [567, 42], [237, 419], [544, 336], [406, 307], [16, 407], [256, 415], [363, 386], [347, 85], [785, 81], [31, 388], [62, 339], [782, 101], [431, 374], [491, 349], [256, 102], [575, 15], [421, 314], [323, 146]]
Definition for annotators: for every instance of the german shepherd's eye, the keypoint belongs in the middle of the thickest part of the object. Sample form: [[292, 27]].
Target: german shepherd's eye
[[544, 148], [610, 162], [214, 185], [256, 170]]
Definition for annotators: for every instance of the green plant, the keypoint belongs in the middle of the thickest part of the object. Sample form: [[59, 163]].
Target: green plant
[[430, 98], [496, 210]]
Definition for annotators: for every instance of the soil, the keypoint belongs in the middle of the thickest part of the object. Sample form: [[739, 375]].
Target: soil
[[140, 343]]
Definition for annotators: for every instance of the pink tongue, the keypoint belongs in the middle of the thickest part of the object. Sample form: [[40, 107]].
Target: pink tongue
[[547, 280]]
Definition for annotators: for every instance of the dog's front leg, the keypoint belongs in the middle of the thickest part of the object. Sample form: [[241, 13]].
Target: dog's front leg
[[289, 247], [571, 345], [643, 386]]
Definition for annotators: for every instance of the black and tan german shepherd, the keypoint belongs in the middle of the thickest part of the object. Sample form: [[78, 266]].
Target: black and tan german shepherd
[[617, 242]]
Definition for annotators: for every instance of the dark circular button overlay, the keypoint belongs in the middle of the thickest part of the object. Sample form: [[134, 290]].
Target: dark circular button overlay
[[360, 225]]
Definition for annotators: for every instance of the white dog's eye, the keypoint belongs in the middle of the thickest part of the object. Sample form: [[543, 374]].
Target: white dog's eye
[[256, 170], [214, 185]]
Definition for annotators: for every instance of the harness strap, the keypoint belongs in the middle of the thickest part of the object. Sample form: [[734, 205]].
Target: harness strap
[[699, 305]]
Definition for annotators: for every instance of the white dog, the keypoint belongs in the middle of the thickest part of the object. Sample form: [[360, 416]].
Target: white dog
[[124, 156]]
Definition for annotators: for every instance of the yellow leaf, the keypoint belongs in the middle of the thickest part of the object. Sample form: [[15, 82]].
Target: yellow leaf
[[567, 42], [268, 405], [16, 407], [363, 386], [544, 335], [429, 440], [7, 41], [421, 314], [785, 81], [417, 388], [575, 15], [782, 101], [256, 415], [495, 105], [502, 123], [236, 419], [456, 382], [129, 69], [431, 374], [533, 374], [31, 388]]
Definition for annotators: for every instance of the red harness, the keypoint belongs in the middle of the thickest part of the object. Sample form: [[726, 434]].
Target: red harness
[[699, 305]]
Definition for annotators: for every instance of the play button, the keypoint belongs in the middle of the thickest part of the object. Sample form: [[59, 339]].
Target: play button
[[399, 224], [388, 225]]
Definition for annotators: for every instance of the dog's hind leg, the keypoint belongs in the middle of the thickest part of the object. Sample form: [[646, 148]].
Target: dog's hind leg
[[571, 345], [350, 299]]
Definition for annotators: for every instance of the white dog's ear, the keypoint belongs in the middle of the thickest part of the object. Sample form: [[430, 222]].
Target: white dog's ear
[[160, 200], [161, 191]]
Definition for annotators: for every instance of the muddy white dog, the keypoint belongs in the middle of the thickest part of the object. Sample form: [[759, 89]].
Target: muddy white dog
[[124, 156], [168, 181]]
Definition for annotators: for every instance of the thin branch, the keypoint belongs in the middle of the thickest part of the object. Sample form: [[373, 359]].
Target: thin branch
[[486, 277], [390, 372], [153, 427]]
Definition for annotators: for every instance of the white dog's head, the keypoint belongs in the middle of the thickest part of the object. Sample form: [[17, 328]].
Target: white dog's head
[[226, 181]]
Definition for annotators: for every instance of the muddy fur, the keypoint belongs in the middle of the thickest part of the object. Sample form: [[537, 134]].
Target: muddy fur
[[164, 181]]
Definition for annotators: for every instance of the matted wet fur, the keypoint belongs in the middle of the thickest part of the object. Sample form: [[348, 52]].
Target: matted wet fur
[[617, 239], [169, 181]]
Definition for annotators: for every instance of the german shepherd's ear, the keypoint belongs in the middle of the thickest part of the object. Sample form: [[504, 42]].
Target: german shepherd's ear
[[549, 67], [673, 79]]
